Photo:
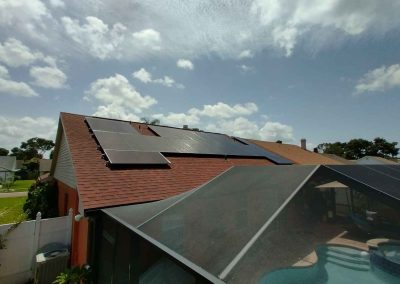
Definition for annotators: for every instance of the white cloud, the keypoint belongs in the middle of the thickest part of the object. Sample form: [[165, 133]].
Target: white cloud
[[116, 111], [57, 3], [14, 53], [245, 128], [145, 76], [190, 29], [142, 75], [166, 81], [222, 110], [14, 130], [95, 36], [273, 131], [178, 119], [48, 77], [246, 54], [185, 64], [148, 38], [379, 80], [11, 10], [14, 88], [245, 68], [3, 72], [118, 98]]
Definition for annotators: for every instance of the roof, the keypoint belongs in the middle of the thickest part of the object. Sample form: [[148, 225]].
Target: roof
[[296, 153], [341, 160], [372, 160], [100, 186], [45, 165], [8, 163]]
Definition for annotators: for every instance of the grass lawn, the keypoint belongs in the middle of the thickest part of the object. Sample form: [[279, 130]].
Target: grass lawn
[[11, 209], [19, 185]]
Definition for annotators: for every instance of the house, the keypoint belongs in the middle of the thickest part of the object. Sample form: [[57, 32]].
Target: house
[[154, 204], [373, 160], [101, 163], [7, 169], [44, 166], [298, 155]]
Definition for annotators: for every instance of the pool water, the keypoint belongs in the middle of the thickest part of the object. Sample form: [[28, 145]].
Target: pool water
[[391, 252], [336, 265]]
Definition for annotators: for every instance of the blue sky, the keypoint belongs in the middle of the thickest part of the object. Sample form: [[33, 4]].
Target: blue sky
[[266, 69]]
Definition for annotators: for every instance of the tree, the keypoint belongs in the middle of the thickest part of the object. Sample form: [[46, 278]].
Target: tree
[[3, 152], [148, 121], [382, 148], [41, 145], [358, 148], [42, 197]]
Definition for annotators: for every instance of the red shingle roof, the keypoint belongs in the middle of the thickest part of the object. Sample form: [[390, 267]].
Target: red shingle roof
[[100, 186]]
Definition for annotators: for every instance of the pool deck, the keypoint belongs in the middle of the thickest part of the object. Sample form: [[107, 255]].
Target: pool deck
[[341, 239]]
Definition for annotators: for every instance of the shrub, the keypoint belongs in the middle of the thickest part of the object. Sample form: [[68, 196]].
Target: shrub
[[42, 197]]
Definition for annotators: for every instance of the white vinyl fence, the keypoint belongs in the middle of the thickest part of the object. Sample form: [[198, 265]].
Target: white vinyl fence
[[22, 244]]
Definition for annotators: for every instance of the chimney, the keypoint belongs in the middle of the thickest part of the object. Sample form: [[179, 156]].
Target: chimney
[[185, 126], [303, 144]]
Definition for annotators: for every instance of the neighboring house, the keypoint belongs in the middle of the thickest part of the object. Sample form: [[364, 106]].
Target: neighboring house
[[339, 159], [372, 160], [7, 168], [298, 155], [44, 166], [101, 163]]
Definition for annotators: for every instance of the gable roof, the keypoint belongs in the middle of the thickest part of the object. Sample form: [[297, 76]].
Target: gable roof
[[296, 153], [8, 163], [100, 186]]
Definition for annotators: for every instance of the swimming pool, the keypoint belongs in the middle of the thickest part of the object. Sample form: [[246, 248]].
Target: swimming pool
[[336, 264]]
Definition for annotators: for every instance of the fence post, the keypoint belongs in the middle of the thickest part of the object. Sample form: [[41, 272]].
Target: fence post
[[36, 234], [69, 226]]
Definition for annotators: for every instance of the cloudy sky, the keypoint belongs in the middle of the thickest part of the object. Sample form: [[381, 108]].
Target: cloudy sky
[[268, 69]]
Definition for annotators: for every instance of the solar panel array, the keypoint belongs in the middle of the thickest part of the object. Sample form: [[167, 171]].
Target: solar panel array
[[122, 144]]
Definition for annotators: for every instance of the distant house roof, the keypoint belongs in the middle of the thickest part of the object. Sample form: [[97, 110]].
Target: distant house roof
[[7, 163], [296, 153], [45, 165], [372, 160], [341, 160], [101, 186]]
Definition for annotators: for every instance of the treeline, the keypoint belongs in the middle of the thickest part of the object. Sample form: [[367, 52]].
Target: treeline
[[358, 148]]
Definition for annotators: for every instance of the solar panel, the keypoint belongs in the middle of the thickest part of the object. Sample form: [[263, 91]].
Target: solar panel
[[120, 135], [117, 157], [110, 125]]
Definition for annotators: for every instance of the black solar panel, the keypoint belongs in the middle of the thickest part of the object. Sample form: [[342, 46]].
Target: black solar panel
[[110, 125], [370, 177], [120, 135], [117, 157]]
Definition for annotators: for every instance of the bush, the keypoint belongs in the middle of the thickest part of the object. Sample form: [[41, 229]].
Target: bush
[[42, 197]]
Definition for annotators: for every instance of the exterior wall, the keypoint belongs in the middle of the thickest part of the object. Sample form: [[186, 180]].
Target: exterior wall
[[64, 170], [68, 198]]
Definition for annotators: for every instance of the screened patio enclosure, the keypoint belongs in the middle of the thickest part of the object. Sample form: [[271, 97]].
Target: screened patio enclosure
[[236, 228]]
